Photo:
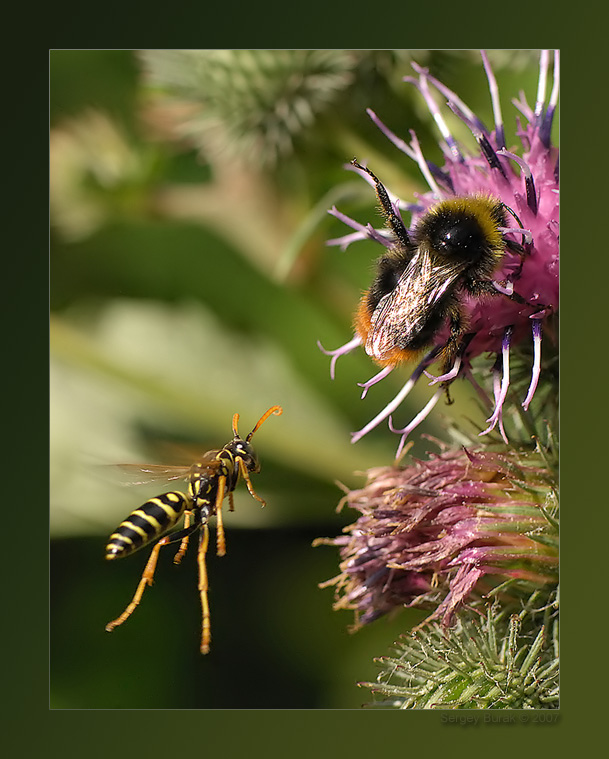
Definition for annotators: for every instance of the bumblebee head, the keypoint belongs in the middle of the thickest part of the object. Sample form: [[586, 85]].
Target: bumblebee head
[[464, 228], [455, 235]]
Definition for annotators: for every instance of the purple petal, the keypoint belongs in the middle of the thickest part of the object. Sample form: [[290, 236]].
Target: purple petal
[[536, 363], [494, 90], [399, 143], [373, 380], [423, 414], [505, 382], [338, 352], [393, 405]]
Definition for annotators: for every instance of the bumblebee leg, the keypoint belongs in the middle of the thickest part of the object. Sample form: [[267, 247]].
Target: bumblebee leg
[[451, 350], [184, 544], [519, 299], [246, 476], [220, 539], [148, 575], [484, 287], [203, 588], [517, 248]]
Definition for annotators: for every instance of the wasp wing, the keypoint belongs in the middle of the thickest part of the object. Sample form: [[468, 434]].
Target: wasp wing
[[403, 314], [142, 474], [208, 461]]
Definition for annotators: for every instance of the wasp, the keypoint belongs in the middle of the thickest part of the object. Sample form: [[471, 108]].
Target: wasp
[[210, 480]]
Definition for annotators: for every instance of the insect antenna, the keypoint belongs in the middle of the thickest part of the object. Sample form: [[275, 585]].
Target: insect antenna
[[395, 222], [277, 410], [235, 421]]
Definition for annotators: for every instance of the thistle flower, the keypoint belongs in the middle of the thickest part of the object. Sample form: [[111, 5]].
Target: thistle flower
[[431, 532], [527, 184], [499, 660]]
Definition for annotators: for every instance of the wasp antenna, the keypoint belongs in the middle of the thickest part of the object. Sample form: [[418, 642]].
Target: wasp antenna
[[277, 410], [235, 421]]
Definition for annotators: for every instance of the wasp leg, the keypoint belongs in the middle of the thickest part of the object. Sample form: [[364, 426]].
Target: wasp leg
[[184, 544], [220, 539], [231, 502], [203, 588], [246, 476], [148, 575]]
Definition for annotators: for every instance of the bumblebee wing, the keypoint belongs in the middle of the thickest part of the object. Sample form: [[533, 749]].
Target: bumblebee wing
[[402, 314]]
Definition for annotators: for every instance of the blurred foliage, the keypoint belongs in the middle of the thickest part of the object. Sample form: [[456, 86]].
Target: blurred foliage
[[190, 280]]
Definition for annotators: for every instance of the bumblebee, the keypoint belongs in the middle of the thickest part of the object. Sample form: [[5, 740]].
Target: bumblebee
[[210, 479], [421, 282]]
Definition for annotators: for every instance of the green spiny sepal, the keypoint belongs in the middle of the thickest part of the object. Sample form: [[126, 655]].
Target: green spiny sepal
[[493, 658]]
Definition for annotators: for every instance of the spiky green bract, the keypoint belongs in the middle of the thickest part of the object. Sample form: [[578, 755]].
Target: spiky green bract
[[493, 658]]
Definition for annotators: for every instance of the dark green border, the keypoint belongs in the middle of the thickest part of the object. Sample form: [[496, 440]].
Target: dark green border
[[583, 264]]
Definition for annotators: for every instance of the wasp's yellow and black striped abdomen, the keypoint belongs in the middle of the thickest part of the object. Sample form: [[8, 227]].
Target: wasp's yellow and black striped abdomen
[[147, 523]]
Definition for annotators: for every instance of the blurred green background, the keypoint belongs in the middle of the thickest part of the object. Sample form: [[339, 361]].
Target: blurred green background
[[190, 280]]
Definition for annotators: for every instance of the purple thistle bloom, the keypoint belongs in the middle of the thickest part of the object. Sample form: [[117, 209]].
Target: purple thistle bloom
[[430, 532], [525, 183]]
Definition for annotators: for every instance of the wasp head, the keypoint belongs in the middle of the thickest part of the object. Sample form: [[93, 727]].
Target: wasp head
[[245, 451]]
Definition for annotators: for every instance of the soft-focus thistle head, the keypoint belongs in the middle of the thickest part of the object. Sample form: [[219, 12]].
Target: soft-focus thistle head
[[433, 531], [252, 105], [432, 304]]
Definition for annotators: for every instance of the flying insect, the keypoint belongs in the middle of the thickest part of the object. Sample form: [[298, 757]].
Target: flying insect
[[210, 479]]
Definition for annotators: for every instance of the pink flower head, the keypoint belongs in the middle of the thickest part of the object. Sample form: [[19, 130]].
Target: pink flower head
[[526, 183], [432, 531]]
